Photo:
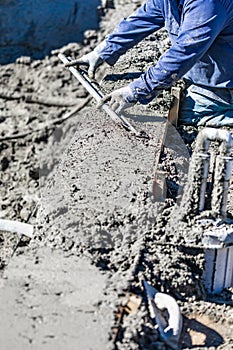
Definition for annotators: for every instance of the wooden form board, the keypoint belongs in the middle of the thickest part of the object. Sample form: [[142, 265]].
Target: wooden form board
[[159, 186], [173, 113]]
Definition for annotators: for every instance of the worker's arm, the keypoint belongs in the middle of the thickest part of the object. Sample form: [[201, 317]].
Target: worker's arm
[[202, 22], [145, 20]]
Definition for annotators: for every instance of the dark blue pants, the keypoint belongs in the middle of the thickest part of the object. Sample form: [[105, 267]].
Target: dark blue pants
[[199, 110]]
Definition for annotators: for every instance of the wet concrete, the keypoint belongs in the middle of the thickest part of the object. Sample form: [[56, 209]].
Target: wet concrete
[[102, 193], [52, 301], [124, 235]]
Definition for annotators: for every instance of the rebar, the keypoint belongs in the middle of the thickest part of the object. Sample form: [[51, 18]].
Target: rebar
[[195, 198]]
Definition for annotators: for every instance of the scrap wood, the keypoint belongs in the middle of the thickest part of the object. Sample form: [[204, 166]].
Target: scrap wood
[[131, 306], [159, 185], [118, 322], [173, 113]]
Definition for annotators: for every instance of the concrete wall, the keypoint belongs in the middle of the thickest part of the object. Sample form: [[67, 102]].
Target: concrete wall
[[35, 27]]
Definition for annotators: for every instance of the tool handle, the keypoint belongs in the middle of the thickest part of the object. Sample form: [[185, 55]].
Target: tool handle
[[83, 79], [97, 94]]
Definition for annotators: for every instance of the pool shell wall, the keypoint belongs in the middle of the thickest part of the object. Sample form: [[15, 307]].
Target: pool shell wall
[[34, 28]]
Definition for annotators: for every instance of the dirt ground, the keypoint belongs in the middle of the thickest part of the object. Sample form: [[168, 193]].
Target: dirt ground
[[87, 187]]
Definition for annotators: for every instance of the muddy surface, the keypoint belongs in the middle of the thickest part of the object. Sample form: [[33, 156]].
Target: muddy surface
[[88, 187]]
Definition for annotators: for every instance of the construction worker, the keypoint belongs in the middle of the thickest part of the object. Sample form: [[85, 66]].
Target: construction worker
[[201, 52]]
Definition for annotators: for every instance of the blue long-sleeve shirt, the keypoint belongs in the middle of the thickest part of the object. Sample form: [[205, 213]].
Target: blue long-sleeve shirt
[[201, 33]]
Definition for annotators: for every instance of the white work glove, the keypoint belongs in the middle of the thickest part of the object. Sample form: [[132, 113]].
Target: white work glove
[[92, 60], [119, 100]]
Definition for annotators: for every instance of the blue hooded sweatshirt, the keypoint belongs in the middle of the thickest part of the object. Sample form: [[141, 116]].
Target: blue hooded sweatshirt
[[201, 33]]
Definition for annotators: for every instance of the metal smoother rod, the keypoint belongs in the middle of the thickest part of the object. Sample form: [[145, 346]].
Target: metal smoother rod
[[86, 82]]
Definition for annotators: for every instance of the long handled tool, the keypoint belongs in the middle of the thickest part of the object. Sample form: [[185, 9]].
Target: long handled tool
[[89, 85]]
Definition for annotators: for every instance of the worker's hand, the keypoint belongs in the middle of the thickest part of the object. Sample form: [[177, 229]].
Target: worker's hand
[[119, 100], [92, 60]]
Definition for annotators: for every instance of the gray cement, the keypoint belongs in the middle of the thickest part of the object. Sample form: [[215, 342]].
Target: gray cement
[[102, 193], [51, 301], [87, 187]]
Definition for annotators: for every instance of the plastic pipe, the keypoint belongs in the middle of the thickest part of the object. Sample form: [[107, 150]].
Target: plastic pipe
[[211, 134], [16, 227], [222, 177]]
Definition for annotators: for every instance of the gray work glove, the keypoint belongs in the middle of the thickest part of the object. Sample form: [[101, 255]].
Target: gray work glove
[[119, 100], [92, 60]]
